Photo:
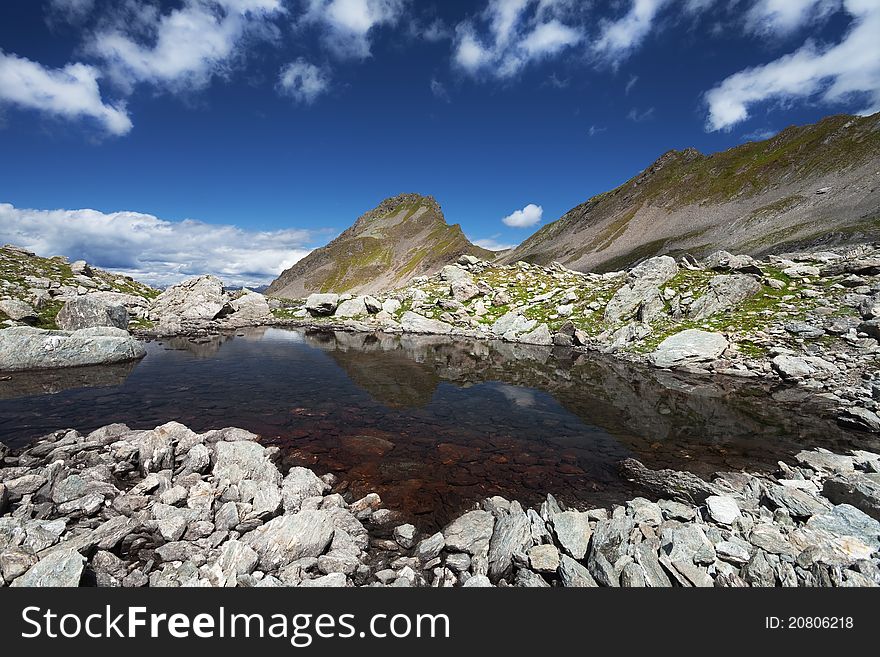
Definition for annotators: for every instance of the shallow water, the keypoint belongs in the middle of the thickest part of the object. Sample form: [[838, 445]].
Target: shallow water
[[434, 424]]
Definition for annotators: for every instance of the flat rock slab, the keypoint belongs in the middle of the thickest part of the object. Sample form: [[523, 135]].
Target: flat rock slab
[[689, 346], [26, 348]]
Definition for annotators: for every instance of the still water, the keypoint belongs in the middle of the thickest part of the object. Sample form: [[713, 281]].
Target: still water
[[434, 424]]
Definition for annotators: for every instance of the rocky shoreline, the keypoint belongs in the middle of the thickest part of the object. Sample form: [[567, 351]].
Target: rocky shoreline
[[169, 507]]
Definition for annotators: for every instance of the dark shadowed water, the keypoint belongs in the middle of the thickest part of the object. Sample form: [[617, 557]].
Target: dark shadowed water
[[431, 423]]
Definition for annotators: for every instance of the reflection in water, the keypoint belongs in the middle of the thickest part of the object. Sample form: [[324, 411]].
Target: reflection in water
[[433, 423], [50, 382]]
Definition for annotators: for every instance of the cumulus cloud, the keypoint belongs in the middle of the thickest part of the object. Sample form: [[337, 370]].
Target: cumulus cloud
[[848, 71], [510, 34], [528, 216], [620, 37], [153, 250], [303, 82], [71, 92], [349, 24], [183, 48]]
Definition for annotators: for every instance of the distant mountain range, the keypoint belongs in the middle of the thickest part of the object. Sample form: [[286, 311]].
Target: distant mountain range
[[404, 236], [807, 186]]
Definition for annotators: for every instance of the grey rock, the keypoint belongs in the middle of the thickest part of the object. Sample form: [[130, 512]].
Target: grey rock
[[641, 288], [574, 575], [405, 535], [27, 348], [797, 502], [244, 459], [414, 323], [724, 292], [478, 581], [572, 530], [632, 576], [860, 418], [511, 535], [847, 520], [856, 489], [356, 307], [723, 509], [197, 299], [288, 538], [525, 578], [320, 305], [470, 533], [90, 311], [299, 484], [687, 543], [688, 347], [431, 547], [645, 554], [18, 311], [16, 561], [512, 324], [334, 580], [544, 558], [62, 568]]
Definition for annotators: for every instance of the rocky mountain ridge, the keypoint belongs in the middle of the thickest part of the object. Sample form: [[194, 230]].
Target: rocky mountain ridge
[[404, 236], [806, 186]]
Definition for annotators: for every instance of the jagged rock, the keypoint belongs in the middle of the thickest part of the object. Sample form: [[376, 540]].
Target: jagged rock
[[511, 535], [544, 558], [723, 509], [431, 547], [724, 292], [243, 459], [539, 336], [299, 484], [574, 575], [18, 310], [89, 311], [62, 568], [798, 503], [470, 533], [27, 348], [847, 520], [249, 309], [859, 418], [724, 261], [288, 538], [679, 486], [322, 304], [405, 536], [453, 273], [641, 289], [512, 324], [572, 530], [687, 347], [199, 298], [478, 581], [525, 578], [797, 368], [856, 489]]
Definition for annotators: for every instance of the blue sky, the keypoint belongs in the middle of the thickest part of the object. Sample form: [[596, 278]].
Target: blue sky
[[166, 139]]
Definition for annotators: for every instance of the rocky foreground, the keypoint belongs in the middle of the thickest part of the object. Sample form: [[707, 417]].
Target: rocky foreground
[[169, 507], [811, 319]]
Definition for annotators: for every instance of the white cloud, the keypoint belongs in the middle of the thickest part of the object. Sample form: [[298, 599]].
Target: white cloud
[[781, 17], [302, 81], [510, 34], [348, 24], [844, 72], [630, 84], [493, 244], [528, 216], [153, 250], [184, 48], [619, 38], [71, 92], [71, 11], [596, 130]]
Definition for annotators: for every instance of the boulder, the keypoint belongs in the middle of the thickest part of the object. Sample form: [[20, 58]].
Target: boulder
[[724, 261], [243, 459], [18, 310], [414, 323], [572, 529], [641, 288], [249, 309], [688, 347], [197, 299], [26, 348], [62, 568], [470, 533], [299, 484], [724, 292], [89, 311], [512, 535], [291, 537], [321, 305], [351, 308], [796, 368]]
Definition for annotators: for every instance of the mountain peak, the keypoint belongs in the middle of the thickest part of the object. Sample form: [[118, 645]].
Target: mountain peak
[[402, 237]]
